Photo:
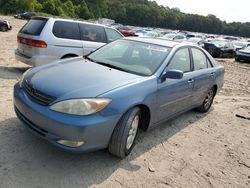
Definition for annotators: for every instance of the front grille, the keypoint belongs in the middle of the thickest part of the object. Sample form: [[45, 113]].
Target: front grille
[[37, 96]]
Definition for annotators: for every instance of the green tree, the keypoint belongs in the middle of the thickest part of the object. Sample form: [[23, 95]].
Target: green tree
[[49, 6]]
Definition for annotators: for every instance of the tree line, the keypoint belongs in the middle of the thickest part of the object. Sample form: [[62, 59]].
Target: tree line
[[131, 12]]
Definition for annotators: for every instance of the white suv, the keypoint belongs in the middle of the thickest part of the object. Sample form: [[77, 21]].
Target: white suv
[[43, 40]]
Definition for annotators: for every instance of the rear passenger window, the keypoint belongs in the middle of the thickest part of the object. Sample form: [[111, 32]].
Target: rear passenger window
[[66, 30], [200, 59], [180, 61], [93, 33], [112, 35]]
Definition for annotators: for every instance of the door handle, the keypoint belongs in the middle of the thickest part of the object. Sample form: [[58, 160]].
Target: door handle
[[190, 81], [212, 74]]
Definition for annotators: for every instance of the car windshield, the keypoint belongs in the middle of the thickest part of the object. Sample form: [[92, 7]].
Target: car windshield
[[220, 43], [131, 56], [247, 48]]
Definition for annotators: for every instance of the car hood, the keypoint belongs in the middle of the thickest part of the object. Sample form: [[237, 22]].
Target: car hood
[[76, 78], [244, 51]]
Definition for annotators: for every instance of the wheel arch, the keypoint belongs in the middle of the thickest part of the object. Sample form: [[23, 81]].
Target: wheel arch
[[69, 55], [145, 115], [215, 88]]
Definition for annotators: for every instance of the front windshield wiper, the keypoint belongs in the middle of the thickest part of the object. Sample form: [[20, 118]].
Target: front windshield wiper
[[112, 66], [106, 64]]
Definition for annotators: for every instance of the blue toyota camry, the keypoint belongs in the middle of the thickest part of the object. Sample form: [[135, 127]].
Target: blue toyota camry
[[101, 100]]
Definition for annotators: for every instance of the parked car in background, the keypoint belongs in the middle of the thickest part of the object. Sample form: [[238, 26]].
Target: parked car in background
[[240, 44], [243, 54], [25, 15], [195, 35], [126, 31], [175, 37], [129, 84], [220, 48], [197, 41], [5, 25], [150, 34], [43, 40]]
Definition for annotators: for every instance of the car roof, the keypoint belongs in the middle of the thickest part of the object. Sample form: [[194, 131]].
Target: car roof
[[157, 41], [70, 20]]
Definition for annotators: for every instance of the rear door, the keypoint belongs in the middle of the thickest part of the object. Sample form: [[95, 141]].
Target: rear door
[[31, 30], [67, 35], [92, 37], [204, 75]]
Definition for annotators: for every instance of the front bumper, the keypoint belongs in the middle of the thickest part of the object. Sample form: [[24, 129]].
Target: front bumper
[[95, 130], [243, 57]]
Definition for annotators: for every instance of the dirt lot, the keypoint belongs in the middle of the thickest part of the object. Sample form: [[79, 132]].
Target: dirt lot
[[194, 150]]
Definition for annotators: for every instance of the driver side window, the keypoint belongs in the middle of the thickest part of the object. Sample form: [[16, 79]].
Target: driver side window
[[180, 61]]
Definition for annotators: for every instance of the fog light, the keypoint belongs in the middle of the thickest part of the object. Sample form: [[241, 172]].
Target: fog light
[[70, 143]]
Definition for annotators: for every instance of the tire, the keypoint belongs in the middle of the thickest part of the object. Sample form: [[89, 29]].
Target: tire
[[220, 55], [208, 101], [237, 59], [125, 133], [4, 28]]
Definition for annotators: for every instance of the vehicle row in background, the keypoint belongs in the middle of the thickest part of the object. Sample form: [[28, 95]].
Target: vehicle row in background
[[25, 15]]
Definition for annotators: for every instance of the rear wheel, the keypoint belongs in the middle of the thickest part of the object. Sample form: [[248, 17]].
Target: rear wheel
[[4, 28], [207, 103], [125, 132]]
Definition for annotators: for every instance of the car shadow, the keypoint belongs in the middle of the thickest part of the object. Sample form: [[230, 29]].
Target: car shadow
[[12, 72], [32, 159]]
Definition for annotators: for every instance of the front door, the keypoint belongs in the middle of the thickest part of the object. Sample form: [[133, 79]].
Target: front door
[[174, 95]]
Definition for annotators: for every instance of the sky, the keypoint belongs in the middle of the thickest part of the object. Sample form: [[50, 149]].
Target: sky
[[228, 10]]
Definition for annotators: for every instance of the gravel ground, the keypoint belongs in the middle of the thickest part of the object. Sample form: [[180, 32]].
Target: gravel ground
[[193, 150]]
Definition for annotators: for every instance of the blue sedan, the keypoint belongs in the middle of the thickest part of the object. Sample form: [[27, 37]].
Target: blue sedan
[[101, 100]]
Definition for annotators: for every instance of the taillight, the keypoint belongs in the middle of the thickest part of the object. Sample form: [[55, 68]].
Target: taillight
[[31, 42]]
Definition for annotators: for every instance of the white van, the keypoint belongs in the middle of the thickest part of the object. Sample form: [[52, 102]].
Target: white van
[[43, 40]]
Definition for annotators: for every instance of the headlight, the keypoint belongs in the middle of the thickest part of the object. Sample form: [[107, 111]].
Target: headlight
[[22, 78], [80, 106]]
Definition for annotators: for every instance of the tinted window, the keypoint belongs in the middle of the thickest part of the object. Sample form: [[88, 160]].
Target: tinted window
[[200, 59], [180, 61], [93, 33], [34, 27], [179, 37], [66, 30], [112, 35]]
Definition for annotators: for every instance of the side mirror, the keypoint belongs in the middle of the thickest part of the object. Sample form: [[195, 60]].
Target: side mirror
[[172, 74]]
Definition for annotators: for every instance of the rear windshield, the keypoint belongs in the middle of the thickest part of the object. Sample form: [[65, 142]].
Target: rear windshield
[[34, 27]]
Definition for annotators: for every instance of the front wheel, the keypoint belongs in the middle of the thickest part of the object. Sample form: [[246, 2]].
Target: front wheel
[[4, 28], [207, 103], [125, 132]]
